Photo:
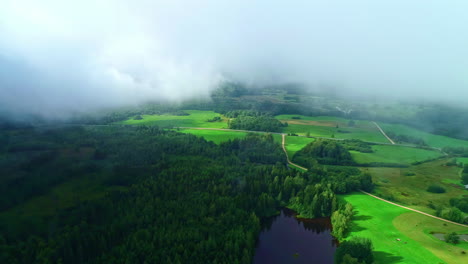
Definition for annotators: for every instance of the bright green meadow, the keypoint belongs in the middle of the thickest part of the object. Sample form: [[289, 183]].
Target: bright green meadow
[[394, 154], [196, 118], [384, 224]]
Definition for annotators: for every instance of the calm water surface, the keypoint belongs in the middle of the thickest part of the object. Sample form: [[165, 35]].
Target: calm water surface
[[286, 239]]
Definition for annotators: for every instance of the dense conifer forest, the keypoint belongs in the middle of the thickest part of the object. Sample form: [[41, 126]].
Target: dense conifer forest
[[170, 197]]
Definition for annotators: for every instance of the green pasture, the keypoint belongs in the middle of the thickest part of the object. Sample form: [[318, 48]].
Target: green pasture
[[294, 144], [329, 126], [382, 223], [462, 160], [217, 136], [395, 183], [430, 139], [419, 227], [394, 154], [364, 134], [196, 118]]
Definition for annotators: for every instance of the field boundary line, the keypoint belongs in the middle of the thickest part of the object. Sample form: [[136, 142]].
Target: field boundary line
[[414, 210], [383, 133]]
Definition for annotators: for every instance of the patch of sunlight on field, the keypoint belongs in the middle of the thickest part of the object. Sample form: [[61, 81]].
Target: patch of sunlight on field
[[374, 219], [196, 118]]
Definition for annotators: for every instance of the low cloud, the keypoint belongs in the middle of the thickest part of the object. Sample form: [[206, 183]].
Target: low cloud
[[59, 57]]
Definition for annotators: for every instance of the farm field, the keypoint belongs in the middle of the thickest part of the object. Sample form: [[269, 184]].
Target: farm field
[[195, 118], [430, 139], [215, 135], [384, 223], [326, 126], [394, 183], [394, 154]]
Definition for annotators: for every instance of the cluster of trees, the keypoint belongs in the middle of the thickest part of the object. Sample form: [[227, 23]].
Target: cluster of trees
[[435, 189], [460, 203], [452, 238], [254, 121], [356, 250], [357, 145], [456, 151], [317, 200], [464, 177], [453, 214], [324, 151], [400, 138], [215, 119], [341, 221]]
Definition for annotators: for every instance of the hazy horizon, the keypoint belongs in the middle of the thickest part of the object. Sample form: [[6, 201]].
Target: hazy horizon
[[62, 57]]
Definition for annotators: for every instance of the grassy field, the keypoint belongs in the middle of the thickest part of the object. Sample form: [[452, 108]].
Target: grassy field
[[430, 139], [215, 135], [411, 190], [195, 118], [384, 223], [462, 160], [326, 126], [294, 144], [394, 154]]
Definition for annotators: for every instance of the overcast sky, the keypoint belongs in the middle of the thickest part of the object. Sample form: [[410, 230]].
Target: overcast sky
[[61, 56]]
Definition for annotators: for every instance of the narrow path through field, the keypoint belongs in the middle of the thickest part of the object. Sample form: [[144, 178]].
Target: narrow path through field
[[383, 133], [283, 141], [414, 210]]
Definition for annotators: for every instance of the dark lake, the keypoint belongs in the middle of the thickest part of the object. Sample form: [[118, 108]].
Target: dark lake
[[286, 239]]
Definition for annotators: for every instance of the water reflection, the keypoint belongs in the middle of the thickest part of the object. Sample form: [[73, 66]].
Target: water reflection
[[286, 239]]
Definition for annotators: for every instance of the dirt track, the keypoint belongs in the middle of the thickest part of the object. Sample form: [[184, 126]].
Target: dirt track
[[283, 136], [383, 133], [414, 210], [283, 139]]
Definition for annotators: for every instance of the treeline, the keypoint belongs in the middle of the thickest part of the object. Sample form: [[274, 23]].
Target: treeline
[[400, 138], [324, 151], [464, 175], [357, 145], [456, 151], [254, 121], [341, 221], [355, 251], [460, 203]]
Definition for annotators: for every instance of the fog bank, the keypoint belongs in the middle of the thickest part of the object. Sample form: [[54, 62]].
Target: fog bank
[[57, 57]]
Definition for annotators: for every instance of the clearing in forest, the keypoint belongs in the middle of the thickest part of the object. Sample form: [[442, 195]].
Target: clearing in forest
[[195, 118]]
